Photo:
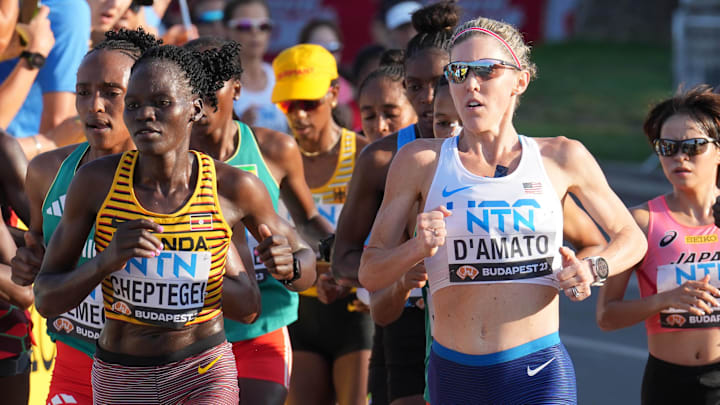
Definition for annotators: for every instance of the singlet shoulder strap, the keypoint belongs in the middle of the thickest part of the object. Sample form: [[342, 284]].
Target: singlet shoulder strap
[[405, 136], [65, 173]]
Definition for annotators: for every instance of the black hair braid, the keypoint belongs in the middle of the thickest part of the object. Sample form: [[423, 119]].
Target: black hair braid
[[191, 63], [434, 24], [221, 65], [228, 65], [392, 66], [133, 43]]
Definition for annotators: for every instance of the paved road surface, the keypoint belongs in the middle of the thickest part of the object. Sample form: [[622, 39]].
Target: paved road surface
[[609, 365]]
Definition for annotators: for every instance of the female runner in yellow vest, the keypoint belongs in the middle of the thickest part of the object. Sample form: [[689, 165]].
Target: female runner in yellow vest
[[163, 230], [331, 341]]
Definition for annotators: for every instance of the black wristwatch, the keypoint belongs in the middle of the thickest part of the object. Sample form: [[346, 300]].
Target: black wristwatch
[[296, 272], [599, 268], [34, 59]]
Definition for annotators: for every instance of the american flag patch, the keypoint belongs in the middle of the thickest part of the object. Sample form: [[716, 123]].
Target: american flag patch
[[201, 222], [533, 187]]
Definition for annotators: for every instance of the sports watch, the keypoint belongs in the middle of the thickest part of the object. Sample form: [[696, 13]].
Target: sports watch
[[34, 59], [296, 272], [599, 268]]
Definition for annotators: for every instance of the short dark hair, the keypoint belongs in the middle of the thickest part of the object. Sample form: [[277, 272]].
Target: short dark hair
[[200, 68], [699, 103], [132, 43], [392, 66], [229, 69]]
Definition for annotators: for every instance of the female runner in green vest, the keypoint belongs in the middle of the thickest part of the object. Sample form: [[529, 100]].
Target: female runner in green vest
[[262, 350]]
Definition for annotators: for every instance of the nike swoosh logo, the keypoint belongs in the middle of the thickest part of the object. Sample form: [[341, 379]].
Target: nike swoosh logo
[[532, 371], [446, 193], [203, 370]]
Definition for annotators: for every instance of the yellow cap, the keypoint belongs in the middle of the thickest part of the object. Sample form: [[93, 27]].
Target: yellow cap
[[303, 72]]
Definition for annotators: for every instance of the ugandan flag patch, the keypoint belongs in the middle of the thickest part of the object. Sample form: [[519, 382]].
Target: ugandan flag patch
[[201, 222]]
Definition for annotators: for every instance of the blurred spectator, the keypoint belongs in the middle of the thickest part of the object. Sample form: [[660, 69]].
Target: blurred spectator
[[38, 40], [8, 17], [207, 15], [248, 22], [104, 15], [397, 17], [327, 34], [52, 97]]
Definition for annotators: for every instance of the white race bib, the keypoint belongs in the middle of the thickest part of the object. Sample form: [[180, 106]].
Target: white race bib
[[671, 276], [484, 258], [167, 290]]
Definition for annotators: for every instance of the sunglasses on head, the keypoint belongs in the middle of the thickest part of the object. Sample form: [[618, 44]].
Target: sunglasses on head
[[457, 72], [690, 147], [251, 24]]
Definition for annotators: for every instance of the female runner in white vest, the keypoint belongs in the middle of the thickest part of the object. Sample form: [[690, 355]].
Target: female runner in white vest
[[490, 231]]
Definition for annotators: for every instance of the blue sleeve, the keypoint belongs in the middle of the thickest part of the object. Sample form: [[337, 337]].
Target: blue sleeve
[[70, 22]]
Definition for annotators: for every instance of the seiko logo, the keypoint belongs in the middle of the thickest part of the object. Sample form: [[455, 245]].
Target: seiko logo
[[668, 238]]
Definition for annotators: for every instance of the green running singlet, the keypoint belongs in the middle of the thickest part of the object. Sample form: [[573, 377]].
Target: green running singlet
[[279, 305]]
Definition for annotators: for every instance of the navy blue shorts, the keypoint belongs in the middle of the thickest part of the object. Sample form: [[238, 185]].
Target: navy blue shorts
[[537, 372]]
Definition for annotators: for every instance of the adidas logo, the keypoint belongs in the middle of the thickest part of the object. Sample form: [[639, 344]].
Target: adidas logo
[[57, 207], [60, 399]]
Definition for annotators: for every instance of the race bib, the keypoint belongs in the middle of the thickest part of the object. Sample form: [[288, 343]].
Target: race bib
[[671, 276], [167, 290], [261, 272], [84, 321], [487, 258]]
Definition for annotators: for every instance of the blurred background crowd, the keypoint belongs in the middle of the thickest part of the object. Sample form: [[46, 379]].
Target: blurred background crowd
[[601, 64]]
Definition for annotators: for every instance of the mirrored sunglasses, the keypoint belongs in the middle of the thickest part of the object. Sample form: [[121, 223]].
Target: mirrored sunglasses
[[690, 147], [485, 69]]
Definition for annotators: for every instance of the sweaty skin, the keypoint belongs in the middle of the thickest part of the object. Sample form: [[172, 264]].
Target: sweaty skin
[[690, 205], [489, 139], [165, 176]]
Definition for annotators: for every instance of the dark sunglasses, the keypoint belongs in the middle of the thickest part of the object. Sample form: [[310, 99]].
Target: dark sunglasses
[[457, 72], [251, 24], [305, 105], [690, 147]]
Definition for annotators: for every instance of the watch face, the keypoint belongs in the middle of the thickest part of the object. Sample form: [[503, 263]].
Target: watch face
[[601, 267], [37, 60]]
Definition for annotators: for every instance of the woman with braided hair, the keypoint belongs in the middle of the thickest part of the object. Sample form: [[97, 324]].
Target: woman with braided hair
[[490, 231], [163, 229], [384, 106], [102, 80]]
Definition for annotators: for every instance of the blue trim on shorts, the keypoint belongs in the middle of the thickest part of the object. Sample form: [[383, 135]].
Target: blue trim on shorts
[[498, 357]]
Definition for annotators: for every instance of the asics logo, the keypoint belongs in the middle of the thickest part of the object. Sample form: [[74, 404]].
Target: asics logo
[[668, 238], [532, 371], [446, 193]]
